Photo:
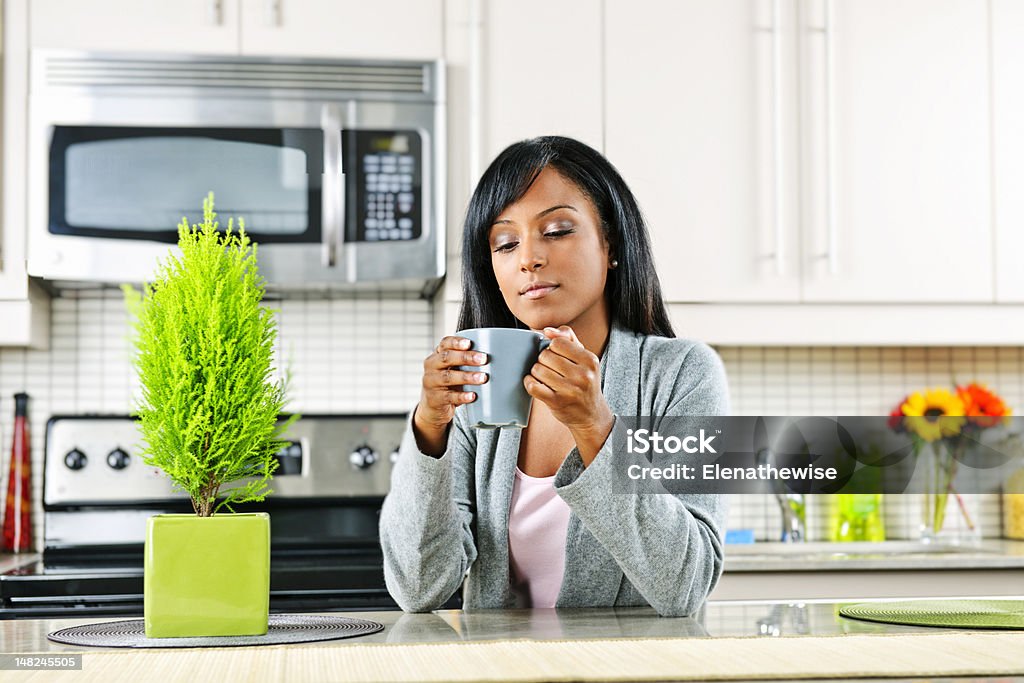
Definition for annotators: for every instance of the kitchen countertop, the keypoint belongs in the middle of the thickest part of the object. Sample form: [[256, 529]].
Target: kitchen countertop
[[993, 553], [715, 620], [9, 561]]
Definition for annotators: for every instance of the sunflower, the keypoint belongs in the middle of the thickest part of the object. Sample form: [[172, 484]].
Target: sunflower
[[983, 408], [934, 414]]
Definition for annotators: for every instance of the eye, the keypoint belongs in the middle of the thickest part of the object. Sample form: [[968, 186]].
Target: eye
[[560, 228], [508, 246], [559, 233]]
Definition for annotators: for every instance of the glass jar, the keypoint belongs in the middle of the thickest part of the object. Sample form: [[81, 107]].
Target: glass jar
[[856, 517], [1013, 506]]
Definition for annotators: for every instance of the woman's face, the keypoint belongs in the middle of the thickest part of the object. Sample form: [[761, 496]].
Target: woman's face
[[551, 241]]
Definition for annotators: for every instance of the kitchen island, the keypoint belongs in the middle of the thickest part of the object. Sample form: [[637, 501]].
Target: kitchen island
[[731, 641]]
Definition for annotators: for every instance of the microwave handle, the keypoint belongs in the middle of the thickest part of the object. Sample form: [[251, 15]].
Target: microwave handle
[[332, 186]]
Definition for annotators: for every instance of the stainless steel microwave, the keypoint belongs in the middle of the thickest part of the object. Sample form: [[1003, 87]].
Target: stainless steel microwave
[[337, 167]]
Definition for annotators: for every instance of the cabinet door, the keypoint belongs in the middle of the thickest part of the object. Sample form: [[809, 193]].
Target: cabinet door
[[383, 29], [1008, 147], [14, 84], [701, 121], [896, 123], [541, 63], [194, 26]]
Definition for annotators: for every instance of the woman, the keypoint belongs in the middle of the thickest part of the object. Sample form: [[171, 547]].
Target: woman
[[554, 241]]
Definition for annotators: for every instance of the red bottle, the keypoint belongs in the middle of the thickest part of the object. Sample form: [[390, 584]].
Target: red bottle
[[18, 510]]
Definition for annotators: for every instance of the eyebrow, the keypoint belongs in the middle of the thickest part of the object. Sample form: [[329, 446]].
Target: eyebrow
[[543, 213]]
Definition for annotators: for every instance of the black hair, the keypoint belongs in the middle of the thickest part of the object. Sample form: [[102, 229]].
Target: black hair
[[633, 291]]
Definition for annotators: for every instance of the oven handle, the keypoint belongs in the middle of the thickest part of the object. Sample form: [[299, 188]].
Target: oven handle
[[332, 186]]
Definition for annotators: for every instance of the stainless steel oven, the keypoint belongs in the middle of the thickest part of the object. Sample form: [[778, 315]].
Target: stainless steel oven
[[337, 167], [97, 494]]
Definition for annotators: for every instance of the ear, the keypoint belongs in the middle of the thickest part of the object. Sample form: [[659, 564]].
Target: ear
[[609, 253]]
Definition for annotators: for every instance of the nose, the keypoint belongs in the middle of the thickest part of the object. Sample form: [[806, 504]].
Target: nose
[[532, 255]]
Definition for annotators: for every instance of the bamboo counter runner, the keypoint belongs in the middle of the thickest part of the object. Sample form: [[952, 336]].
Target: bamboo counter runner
[[652, 659]]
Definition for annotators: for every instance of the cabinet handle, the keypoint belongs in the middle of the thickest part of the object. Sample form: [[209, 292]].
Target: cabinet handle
[[273, 12], [215, 11], [832, 253], [332, 186], [777, 134]]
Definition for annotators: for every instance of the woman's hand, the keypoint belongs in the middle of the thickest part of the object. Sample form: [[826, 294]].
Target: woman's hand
[[567, 378], [442, 391]]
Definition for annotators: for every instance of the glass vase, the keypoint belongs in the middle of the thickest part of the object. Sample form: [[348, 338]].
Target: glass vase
[[947, 516]]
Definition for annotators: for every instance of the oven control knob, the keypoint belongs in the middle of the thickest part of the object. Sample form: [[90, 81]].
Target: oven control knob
[[75, 459], [362, 457], [118, 459], [394, 455]]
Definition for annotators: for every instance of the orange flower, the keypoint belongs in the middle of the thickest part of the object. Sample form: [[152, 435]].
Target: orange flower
[[983, 407]]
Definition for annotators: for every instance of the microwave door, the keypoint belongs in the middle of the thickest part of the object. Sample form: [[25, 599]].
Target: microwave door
[[116, 194]]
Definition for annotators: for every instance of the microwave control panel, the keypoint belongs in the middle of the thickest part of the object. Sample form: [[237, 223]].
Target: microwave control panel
[[387, 185]]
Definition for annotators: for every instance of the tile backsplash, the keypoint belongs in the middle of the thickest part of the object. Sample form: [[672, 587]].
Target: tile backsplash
[[365, 355], [858, 381]]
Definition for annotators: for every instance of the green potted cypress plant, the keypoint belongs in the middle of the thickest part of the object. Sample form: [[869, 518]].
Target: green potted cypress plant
[[209, 418]]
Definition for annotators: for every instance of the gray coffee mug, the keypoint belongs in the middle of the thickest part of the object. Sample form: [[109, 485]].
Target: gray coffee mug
[[502, 401]]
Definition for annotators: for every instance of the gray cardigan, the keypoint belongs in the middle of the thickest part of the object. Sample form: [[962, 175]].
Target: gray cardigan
[[448, 516]]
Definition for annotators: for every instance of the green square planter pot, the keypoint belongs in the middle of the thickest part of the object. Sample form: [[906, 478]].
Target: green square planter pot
[[207, 576]]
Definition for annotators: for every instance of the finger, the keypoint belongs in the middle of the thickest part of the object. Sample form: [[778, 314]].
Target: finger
[[449, 377], [562, 331], [566, 348], [459, 397], [453, 342], [438, 399], [538, 390], [549, 377], [560, 364], [446, 358]]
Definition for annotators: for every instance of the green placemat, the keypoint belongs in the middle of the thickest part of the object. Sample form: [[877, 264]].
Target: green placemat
[[1008, 614]]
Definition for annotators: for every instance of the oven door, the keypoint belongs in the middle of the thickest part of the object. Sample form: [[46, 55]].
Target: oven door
[[300, 581]]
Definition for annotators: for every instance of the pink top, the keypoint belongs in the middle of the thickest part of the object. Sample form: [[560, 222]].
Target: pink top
[[537, 523]]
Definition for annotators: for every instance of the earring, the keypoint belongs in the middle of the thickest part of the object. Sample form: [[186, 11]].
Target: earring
[[614, 264]]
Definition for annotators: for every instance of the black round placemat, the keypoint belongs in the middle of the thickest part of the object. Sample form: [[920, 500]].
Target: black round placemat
[[283, 629]]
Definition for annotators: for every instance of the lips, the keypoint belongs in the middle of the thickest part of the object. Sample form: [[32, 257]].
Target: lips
[[537, 290]]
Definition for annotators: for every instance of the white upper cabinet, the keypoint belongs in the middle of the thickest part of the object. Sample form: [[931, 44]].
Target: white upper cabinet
[[541, 66], [1008, 148], [382, 29], [24, 307], [826, 151], [195, 26], [701, 122], [897, 192]]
